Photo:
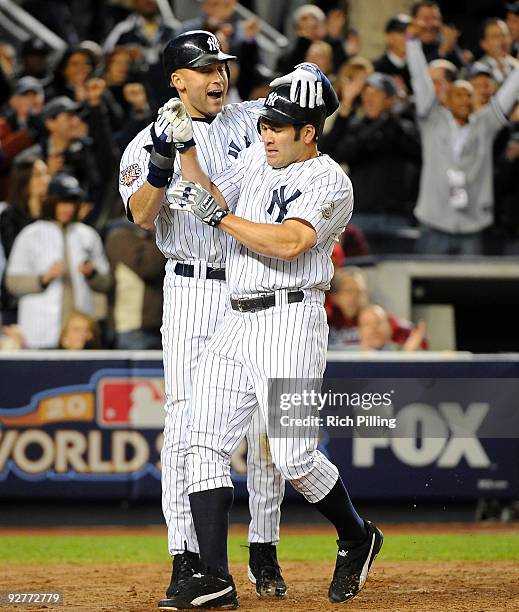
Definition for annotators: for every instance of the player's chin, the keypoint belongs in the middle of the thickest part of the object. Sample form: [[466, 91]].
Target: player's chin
[[273, 159]]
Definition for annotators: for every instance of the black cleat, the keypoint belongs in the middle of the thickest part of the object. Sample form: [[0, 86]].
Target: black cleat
[[264, 571], [203, 592], [184, 566], [352, 566]]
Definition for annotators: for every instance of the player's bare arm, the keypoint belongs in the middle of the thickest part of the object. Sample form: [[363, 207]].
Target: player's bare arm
[[286, 241]]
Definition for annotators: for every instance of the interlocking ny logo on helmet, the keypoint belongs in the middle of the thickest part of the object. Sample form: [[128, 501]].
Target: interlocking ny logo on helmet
[[192, 49], [213, 43], [279, 108], [271, 100]]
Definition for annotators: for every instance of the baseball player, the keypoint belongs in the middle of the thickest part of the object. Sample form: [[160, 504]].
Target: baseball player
[[195, 295], [283, 204]]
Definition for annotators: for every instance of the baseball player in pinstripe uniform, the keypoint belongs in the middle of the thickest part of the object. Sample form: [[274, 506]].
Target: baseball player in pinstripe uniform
[[283, 204], [195, 295]]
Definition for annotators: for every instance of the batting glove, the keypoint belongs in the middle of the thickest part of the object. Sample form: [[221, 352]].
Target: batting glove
[[200, 202], [162, 155], [306, 84], [175, 113]]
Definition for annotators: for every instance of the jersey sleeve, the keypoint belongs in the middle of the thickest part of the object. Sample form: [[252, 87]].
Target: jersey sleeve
[[229, 180], [133, 168], [327, 204]]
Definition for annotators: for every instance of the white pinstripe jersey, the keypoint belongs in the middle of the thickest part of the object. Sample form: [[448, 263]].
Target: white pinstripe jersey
[[180, 235], [316, 190]]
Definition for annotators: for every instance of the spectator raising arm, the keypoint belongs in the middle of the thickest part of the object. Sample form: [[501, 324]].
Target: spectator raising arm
[[422, 83]]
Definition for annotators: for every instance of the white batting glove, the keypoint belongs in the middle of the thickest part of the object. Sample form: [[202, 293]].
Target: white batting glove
[[193, 197], [305, 83], [175, 114]]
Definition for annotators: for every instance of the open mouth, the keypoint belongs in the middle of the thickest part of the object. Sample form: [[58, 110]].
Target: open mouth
[[215, 94]]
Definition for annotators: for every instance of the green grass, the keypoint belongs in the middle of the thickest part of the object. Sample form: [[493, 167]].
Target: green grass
[[151, 549]]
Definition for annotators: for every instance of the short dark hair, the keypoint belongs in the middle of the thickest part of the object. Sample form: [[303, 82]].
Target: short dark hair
[[418, 5]]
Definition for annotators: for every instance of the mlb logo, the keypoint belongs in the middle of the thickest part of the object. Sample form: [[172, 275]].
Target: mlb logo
[[136, 402]]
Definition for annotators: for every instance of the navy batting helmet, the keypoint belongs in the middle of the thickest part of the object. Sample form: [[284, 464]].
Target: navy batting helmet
[[191, 50], [278, 108]]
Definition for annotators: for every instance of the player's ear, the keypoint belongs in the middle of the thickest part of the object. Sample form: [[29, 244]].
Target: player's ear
[[308, 134], [178, 82]]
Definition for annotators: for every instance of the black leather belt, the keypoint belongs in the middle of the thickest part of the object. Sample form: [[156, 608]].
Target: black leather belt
[[264, 301], [189, 271]]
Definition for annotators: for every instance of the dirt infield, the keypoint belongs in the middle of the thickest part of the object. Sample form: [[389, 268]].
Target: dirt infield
[[397, 586]]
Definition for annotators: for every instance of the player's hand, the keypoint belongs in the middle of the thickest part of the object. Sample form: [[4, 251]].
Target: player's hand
[[306, 84], [179, 122], [162, 156], [200, 202]]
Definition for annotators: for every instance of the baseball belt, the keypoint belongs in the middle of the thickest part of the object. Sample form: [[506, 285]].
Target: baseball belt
[[264, 301], [188, 270]]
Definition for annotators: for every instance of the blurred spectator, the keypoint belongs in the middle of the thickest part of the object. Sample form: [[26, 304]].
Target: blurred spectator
[[11, 338], [70, 75], [349, 83], [85, 150], [376, 333], [512, 21], [443, 74], [382, 151], [34, 60], [237, 37], [7, 62], [321, 54], [20, 125], [138, 110], [393, 62], [55, 265], [482, 79], [80, 331], [496, 42], [310, 26], [30, 180], [435, 43], [75, 78], [146, 33], [138, 268], [506, 184], [349, 295], [456, 189]]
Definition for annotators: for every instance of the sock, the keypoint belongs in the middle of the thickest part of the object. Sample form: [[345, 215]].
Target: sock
[[338, 509], [210, 510]]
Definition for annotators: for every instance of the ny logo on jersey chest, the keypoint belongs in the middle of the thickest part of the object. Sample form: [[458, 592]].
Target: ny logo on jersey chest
[[278, 199], [234, 149]]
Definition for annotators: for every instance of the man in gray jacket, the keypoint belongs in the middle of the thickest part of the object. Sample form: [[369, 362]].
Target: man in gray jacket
[[456, 199]]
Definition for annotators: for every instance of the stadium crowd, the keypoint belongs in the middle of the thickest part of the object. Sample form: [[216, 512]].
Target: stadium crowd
[[428, 132]]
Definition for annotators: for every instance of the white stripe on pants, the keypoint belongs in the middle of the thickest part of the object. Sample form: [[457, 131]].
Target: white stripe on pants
[[231, 384], [192, 310]]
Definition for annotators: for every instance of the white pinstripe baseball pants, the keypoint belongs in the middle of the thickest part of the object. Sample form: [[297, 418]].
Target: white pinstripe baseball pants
[[231, 383], [193, 308]]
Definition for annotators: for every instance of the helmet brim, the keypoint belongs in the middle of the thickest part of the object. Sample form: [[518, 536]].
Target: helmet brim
[[209, 58]]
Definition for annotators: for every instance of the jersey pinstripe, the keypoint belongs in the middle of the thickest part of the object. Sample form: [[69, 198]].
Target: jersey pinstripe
[[180, 235], [193, 309], [316, 190], [286, 341]]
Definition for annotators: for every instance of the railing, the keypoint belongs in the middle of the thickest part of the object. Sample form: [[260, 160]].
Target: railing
[[22, 25]]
